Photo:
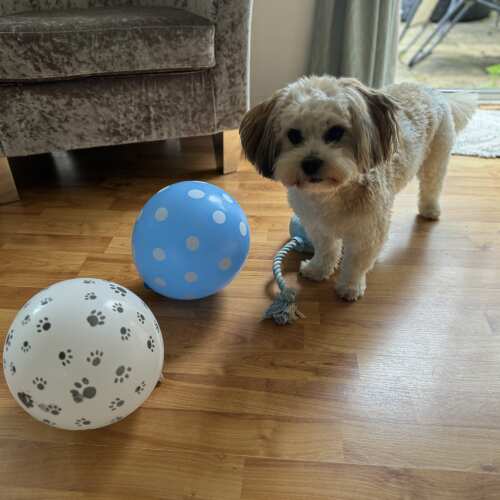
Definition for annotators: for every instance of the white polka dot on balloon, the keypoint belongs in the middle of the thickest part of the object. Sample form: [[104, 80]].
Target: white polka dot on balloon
[[191, 277], [219, 217], [160, 281], [159, 254], [227, 198], [192, 243], [196, 194], [161, 214], [225, 264], [243, 229]]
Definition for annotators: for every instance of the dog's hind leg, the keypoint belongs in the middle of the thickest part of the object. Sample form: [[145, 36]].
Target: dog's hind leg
[[433, 170]]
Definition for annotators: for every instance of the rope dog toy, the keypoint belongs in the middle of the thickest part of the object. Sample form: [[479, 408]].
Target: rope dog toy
[[284, 308]]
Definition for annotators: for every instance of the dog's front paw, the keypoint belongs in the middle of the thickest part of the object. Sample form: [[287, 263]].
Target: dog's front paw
[[311, 270], [430, 211], [350, 292]]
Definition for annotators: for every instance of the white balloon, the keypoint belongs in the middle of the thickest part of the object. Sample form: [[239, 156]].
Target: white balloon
[[82, 354]]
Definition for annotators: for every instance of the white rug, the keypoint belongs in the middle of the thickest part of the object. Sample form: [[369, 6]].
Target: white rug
[[481, 137]]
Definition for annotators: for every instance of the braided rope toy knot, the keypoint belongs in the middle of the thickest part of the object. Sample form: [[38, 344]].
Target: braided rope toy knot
[[284, 310]]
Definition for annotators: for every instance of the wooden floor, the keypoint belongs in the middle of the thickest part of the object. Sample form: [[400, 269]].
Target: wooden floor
[[394, 397]]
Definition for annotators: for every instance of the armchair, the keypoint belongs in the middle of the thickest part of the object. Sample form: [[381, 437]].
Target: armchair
[[85, 73]]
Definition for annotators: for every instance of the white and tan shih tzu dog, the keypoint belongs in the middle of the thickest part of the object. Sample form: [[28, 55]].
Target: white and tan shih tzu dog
[[343, 151]]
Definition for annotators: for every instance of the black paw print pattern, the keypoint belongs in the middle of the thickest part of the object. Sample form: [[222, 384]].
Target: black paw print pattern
[[40, 383], [43, 325], [118, 289], [25, 346], [8, 340], [141, 318], [96, 318], [26, 399], [116, 419], [26, 320], [12, 368], [82, 422], [49, 422], [89, 282], [140, 388], [157, 326], [90, 296], [65, 357], [115, 404], [83, 390], [95, 358], [122, 373], [50, 408], [151, 344], [117, 307], [125, 333], [46, 300]]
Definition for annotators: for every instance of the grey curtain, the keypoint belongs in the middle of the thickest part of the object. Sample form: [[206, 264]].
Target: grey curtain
[[356, 38]]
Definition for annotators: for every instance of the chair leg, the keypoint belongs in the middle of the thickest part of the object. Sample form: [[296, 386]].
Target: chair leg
[[227, 149], [8, 190], [456, 10]]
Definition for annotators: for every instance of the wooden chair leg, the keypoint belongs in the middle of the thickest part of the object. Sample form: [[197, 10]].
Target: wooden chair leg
[[227, 149], [8, 190]]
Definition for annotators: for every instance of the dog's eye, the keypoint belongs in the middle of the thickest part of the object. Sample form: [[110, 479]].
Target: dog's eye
[[334, 134], [295, 136]]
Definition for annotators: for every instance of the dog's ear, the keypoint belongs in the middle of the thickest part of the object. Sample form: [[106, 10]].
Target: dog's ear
[[375, 123], [258, 136]]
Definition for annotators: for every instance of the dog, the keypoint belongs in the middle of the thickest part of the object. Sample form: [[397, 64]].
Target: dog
[[343, 151]]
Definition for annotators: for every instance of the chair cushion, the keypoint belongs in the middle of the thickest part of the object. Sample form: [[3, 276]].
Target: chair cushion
[[86, 42]]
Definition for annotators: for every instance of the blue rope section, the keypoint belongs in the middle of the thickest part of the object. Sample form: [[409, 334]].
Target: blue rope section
[[284, 308]]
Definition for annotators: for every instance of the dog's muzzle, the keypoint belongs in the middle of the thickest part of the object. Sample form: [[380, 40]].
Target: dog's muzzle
[[310, 166]]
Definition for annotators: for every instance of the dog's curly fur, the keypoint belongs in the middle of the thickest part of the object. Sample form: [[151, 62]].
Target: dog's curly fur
[[344, 151]]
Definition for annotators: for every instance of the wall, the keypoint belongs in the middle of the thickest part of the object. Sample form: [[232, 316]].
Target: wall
[[281, 35]]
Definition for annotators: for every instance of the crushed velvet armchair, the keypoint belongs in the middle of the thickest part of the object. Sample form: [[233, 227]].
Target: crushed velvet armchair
[[84, 73]]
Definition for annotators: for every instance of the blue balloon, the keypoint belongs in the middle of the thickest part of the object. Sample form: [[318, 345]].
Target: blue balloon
[[190, 240]]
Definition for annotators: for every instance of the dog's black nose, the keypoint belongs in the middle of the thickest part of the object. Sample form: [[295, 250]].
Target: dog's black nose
[[311, 165]]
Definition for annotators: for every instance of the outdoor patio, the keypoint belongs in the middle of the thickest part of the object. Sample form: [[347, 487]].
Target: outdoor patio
[[460, 60]]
